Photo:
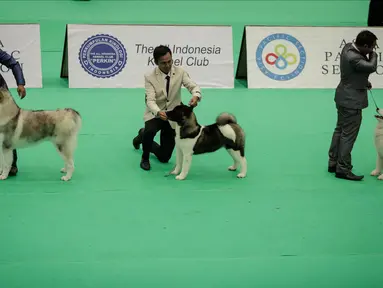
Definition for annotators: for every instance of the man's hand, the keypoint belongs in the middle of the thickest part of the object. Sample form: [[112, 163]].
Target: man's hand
[[194, 101], [21, 91], [372, 54], [369, 85], [162, 115]]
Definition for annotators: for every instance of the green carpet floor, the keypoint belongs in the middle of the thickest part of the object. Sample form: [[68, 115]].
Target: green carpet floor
[[289, 224]]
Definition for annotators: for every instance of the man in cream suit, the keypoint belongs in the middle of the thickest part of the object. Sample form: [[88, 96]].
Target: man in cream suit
[[162, 93]]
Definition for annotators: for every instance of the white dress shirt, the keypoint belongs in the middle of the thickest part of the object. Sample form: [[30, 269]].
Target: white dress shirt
[[165, 81]]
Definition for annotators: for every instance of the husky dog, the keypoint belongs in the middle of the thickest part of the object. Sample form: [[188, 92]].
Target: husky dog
[[192, 138], [379, 145], [22, 128]]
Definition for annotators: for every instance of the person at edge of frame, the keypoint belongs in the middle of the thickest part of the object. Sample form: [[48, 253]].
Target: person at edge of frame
[[11, 63], [351, 98], [162, 93], [375, 15]]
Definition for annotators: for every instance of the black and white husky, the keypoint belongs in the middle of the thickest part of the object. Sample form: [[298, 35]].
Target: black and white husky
[[21, 128], [193, 139]]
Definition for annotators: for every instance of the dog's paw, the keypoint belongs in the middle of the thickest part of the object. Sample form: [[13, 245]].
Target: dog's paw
[[380, 177], [65, 178], [241, 175], [63, 170], [175, 172], [232, 168], [3, 177], [375, 172], [180, 177]]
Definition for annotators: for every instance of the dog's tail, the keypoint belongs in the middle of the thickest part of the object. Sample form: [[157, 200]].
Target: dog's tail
[[74, 111], [225, 118], [74, 122]]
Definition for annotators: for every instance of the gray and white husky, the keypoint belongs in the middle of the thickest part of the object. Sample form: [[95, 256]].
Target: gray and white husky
[[193, 139], [21, 128]]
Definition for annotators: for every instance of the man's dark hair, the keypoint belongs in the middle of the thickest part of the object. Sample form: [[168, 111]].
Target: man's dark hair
[[160, 51], [365, 38]]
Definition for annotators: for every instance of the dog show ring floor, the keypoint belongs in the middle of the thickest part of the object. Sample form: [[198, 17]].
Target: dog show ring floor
[[289, 223]]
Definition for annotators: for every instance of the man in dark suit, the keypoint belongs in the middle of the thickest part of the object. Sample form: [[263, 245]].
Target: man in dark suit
[[10, 62], [350, 98]]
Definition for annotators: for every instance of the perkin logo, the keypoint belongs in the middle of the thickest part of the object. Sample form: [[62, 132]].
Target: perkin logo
[[281, 57], [102, 56]]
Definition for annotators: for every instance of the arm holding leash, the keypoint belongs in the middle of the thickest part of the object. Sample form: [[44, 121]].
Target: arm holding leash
[[10, 62]]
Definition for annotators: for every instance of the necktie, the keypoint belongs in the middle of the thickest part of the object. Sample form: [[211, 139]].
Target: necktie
[[167, 85]]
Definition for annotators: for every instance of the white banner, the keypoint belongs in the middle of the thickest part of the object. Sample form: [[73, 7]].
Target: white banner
[[301, 57], [22, 41], [118, 56]]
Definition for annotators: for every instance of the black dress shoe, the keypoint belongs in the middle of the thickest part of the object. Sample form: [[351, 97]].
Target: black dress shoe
[[138, 139], [145, 164], [349, 176], [13, 171]]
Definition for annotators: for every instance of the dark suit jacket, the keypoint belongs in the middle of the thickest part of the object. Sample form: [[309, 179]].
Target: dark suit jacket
[[10, 62], [354, 72]]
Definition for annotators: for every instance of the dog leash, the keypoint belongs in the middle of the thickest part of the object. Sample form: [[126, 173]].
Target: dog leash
[[373, 99]]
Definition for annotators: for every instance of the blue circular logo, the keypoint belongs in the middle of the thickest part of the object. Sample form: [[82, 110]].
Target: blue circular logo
[[281, 57], [102, 56]]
